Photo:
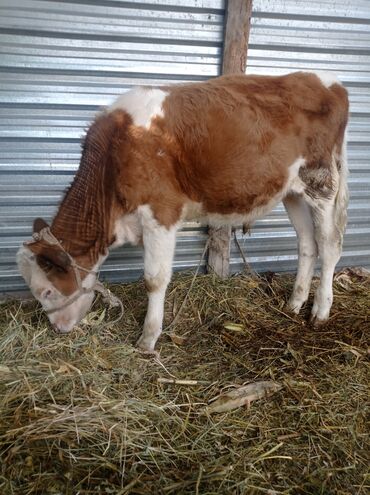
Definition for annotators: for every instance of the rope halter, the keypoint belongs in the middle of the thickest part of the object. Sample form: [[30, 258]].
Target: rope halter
[[46, 235]]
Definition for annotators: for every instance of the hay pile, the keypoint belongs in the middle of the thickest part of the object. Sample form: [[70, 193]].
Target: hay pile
[[86, 413]]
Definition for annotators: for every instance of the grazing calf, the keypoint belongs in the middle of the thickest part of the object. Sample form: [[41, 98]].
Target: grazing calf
[[224, 151]]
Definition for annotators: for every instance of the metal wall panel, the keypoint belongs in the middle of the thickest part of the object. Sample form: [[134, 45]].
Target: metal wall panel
[[60, 61], [289, 35]]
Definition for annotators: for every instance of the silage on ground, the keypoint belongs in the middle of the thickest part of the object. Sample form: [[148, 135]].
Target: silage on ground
[[86, 413]]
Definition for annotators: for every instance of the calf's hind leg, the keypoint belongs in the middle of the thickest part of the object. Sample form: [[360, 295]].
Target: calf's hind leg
[[300, 215], [159, 247], [329, 241]]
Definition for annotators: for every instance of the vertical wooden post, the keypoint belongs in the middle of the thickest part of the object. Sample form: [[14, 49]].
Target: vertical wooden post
[[234, 61]]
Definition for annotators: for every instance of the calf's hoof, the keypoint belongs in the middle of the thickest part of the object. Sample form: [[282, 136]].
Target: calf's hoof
[[292, 308], [317, 322], [146, 345], [320, 313]]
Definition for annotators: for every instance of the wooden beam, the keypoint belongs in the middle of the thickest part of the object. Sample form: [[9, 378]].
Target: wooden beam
[[238, 20], [234, 61]]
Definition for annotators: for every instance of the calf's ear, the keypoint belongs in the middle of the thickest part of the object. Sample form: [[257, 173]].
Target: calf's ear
[[39, 224], [45, 253]]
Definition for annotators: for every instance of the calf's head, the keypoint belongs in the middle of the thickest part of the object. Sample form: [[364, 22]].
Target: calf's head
[[53, 280]]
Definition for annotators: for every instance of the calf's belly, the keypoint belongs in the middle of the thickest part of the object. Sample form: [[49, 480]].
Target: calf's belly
[[247, 209]]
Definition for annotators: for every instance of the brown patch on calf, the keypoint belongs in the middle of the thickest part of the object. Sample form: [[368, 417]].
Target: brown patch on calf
[[53, 254], [226, 144], [145, 174], [39, 224], [152, 284], [56, 265], [237, 136], [63, 280], [86, 215]]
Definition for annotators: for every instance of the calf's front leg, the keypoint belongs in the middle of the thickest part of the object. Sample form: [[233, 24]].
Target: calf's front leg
[[159, 247]]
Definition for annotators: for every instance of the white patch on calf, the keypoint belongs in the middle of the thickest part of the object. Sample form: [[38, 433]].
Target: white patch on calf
[[127, 229], [159, 247], [294, 183], [143, 104], [300, 215], [193, 211], [329, 242], [35, 278], [341, 200], [327, 78], [329, 217]]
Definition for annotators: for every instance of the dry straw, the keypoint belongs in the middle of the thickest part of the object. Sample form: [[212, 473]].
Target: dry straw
[[87, 414]]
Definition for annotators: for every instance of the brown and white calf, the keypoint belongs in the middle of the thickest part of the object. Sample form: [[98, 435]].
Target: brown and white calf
[[224, 151]]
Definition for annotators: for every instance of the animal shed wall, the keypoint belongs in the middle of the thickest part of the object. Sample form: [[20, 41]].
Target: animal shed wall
[[62, 61], [290, 35]]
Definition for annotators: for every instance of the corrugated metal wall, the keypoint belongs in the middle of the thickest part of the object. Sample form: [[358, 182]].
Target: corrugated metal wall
[[289, 35], [60, 61]]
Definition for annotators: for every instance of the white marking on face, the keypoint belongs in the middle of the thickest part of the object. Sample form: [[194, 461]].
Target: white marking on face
[[35, 277], [49, 297], [327, 78], [143, 104], [65, 319]]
